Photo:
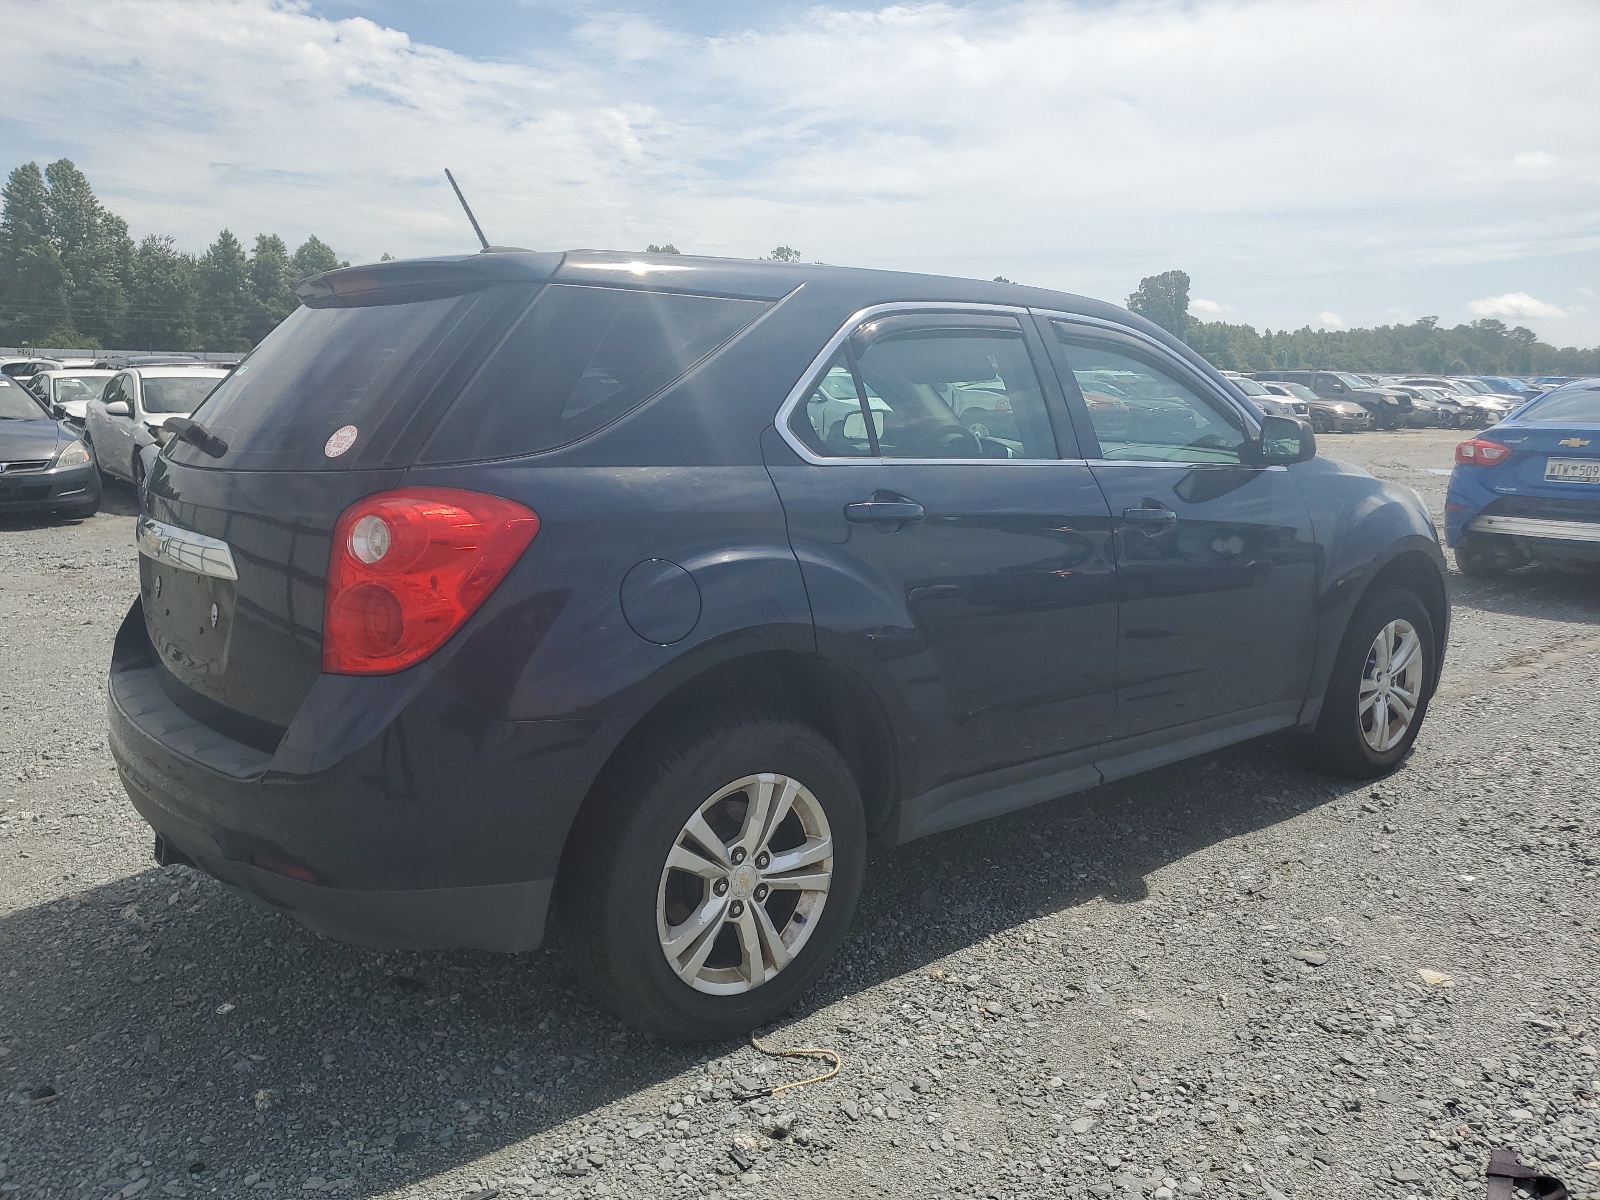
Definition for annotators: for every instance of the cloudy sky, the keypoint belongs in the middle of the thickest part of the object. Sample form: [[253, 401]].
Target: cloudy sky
[[1317, 162]]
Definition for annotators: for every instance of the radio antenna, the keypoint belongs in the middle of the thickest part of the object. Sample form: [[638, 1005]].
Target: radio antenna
[[467, 208]]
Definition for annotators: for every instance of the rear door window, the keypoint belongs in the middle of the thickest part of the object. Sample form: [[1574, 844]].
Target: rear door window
[[949, 387], [579, 359]]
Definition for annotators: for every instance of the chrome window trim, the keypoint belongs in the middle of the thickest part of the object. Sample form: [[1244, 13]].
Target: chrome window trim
[[819, 364], [1187, 466], [184, 549], [1252, 426]]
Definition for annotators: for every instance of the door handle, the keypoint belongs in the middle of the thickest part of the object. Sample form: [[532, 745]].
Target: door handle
[[875, 512], [1150, 518]]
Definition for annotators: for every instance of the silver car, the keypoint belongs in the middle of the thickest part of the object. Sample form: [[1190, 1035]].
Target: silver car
[[130, 415], [71, 389]]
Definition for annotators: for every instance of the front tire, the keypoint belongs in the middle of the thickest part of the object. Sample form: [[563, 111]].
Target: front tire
[[94, 456], [1378, 694], [712, 879]]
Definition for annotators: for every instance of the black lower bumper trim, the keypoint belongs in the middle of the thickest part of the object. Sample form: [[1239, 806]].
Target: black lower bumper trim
[[506, 917]]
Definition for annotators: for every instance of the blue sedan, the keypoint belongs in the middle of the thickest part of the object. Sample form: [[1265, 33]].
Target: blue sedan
[[1529, 488]]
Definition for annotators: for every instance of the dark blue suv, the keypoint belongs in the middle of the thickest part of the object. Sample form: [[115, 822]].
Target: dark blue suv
[[653, 589]]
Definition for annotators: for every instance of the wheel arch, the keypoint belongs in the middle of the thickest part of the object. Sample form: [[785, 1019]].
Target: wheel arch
[[805, 687], [1415, 563], [1417, 572]]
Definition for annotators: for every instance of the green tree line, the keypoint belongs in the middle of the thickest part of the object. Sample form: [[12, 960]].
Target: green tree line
[[1486, 347], [71, 276]]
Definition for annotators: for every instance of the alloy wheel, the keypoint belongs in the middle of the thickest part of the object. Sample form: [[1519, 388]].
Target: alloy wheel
[[1391, 686], [744, 884]]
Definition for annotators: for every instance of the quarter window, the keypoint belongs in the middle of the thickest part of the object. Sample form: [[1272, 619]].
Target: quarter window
[[1141, 411], [938, 391], [831, 422]]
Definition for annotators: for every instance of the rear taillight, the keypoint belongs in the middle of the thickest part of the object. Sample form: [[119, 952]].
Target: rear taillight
[[409, 567], [1481, 453]]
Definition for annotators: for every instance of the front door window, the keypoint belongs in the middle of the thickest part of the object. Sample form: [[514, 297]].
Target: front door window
[[1140, 412]]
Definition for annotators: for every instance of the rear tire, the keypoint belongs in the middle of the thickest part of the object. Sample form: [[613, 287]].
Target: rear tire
[[629, 916], [1358, 734], [1480, 557]]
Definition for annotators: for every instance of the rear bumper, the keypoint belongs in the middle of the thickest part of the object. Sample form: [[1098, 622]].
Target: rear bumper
[[404, 820], [1570, 541], [506, 916], [39, 491], [1581, 532]]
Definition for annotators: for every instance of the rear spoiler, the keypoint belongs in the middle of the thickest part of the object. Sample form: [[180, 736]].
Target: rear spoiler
[[424, 279]]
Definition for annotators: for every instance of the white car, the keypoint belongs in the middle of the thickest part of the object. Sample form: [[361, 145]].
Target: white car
[[71, 389], [130, 415], [20, 366]]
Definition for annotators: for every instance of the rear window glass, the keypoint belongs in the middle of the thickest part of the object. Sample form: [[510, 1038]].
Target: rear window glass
[[176, 395], [577, 360], [1579, 406], [324, 368]]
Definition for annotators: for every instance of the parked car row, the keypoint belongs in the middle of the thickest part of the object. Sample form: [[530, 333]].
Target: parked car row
[[119, 413], [1345, 402]]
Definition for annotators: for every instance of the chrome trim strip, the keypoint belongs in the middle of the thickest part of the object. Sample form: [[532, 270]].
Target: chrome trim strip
[[812, 373], [1187, 466], [1566, 531], [184, 549]]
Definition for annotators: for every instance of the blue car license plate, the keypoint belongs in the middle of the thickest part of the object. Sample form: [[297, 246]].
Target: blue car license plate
[[1572, 470]]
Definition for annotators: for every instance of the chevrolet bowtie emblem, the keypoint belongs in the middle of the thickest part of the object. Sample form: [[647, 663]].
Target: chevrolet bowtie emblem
[[1573, 442]]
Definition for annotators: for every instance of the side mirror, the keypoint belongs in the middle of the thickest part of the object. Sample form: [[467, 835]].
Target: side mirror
[[58, 412], [1286, 440], [117, 408]]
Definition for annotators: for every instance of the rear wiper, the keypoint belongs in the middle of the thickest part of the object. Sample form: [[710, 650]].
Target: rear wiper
[[196, 435]]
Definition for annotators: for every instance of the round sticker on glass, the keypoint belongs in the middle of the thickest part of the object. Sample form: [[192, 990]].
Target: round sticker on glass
[[342, 439]]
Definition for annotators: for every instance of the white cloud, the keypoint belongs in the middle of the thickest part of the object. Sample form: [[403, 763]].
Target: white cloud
[[1073, 145], [1209, 308], [1330, 320], [1514, 306]]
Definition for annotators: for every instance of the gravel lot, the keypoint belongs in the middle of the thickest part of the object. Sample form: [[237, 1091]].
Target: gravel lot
[[1229, 977]]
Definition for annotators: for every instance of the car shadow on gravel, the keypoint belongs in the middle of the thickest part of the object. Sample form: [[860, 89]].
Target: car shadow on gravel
[[218, 1040], [1536, 590]]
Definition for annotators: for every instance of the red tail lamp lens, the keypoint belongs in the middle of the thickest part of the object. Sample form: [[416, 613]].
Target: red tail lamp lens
[[409, 567], [1480, 452]]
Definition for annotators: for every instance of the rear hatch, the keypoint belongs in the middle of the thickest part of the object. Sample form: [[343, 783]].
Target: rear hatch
[[385, 368], [330, 407]]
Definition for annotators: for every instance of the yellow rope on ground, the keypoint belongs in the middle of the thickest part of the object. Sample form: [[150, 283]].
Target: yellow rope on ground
[[800, 1052]]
